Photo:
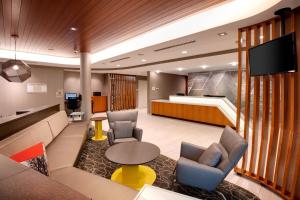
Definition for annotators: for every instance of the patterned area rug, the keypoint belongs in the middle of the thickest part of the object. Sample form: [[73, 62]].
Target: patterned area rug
[[92, 159]]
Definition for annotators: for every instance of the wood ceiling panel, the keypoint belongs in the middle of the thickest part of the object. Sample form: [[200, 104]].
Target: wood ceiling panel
[[43, 25]]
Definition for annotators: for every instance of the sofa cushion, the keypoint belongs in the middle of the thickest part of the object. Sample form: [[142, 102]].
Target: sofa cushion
[[63, 152], [20, 182], [57, 122], [93, 186], [211, 156], [39, 132], [75, 129], [123, 129]]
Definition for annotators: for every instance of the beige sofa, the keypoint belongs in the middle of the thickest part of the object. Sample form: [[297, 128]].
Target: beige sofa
[[63, 141]]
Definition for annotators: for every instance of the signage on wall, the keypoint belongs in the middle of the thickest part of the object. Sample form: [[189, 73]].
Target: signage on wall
[[36, 88], [59, 93]]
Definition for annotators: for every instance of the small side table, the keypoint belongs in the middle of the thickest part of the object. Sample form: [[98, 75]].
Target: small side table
[[98, 128]]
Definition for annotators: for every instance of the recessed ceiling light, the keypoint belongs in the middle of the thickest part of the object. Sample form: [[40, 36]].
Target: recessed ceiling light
[[184, 52], [73, 29], [204, 66], [118, 65], [143, 60], [222, 34], [234, 63], [76, 51], [157, 71], [180, 69]]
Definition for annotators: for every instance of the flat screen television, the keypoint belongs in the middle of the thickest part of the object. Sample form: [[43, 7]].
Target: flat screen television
[[275, 56], [70, 95]]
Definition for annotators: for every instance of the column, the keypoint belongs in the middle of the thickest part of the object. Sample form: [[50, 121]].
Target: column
[[85, 84]]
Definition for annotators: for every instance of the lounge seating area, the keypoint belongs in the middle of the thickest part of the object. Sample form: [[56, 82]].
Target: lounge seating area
[[149, 100], [63, 142]]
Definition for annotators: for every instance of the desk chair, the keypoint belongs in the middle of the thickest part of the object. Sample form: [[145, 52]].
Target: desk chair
[[73, 104]]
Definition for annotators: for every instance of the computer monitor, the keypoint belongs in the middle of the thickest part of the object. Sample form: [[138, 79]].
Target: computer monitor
[[71, 95]]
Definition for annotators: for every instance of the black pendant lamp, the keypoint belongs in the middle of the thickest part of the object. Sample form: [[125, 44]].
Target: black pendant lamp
[[15, 70]]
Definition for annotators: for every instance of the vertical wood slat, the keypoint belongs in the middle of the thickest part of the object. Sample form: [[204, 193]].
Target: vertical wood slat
[[265, 114], [290, 117], [281, 128], [274, 129], [239, 90], [247, 98], [255, 116]]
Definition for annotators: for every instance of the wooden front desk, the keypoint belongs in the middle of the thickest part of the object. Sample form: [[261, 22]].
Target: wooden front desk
[[197, 113]]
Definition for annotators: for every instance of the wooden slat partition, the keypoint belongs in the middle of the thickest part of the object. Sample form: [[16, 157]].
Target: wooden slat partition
[[123, 92], [272, 123]]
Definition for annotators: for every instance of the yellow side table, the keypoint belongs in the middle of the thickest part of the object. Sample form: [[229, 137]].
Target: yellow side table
[[98, 129]]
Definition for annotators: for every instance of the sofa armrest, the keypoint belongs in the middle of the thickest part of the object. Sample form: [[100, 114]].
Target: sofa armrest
[[194, 174], [138, 133], [111, 136], [191, 151]]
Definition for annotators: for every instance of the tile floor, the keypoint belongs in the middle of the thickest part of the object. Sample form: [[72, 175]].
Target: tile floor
[[168, 134]]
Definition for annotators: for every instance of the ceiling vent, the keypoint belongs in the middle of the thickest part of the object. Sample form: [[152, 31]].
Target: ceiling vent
[[176, 45], [120, 59]]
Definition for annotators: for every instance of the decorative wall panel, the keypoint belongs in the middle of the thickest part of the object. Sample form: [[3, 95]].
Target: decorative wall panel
[[122, 92], [270, 118]]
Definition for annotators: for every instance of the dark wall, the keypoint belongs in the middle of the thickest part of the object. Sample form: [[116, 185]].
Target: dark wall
[[162, 85]]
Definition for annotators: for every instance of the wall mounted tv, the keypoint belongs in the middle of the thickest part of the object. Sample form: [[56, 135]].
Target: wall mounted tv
[[275, 56]]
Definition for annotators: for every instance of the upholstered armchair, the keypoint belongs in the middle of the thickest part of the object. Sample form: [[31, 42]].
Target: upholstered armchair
[[122, 127], [191, 171]]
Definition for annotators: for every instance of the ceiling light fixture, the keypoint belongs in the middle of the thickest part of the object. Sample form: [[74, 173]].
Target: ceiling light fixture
[[143, 60], [204, 66], [233, 63], [157, 71], [15, 70], [184, 52], [179, 69], [118, 65], [222, 34], [73, 29]]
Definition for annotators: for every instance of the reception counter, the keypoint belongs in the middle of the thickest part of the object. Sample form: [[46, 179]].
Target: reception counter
[[211, 110]]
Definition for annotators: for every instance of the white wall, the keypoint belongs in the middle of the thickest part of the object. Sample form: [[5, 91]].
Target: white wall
[[14, 96]]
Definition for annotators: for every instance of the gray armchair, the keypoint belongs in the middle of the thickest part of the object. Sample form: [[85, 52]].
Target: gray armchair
[[190, 172], [122, 127]]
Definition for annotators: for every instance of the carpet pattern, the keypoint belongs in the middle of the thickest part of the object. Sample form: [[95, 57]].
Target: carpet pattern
[[93, 160]]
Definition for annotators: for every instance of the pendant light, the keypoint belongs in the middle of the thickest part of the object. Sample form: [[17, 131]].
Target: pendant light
[[15, 70]]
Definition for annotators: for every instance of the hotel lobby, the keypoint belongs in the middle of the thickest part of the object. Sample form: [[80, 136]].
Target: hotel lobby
[[136, 100]]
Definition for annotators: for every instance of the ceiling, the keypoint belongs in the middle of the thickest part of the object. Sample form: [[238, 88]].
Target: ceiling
[[201, 43], [44, 26]]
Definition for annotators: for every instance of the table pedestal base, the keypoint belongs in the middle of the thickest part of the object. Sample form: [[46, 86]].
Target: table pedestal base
[[134, 176], [98, 132]]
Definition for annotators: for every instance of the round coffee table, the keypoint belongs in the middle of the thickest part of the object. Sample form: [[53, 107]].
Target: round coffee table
[[132, 155]]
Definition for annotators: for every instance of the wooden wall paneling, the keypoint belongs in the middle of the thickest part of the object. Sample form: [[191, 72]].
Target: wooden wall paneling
[[247, 97], [239, 89], [278, 150], [265, 114], [255, 116]]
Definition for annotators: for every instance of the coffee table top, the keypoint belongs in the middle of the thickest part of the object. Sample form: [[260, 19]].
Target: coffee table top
[[132, 153], [98, 118]]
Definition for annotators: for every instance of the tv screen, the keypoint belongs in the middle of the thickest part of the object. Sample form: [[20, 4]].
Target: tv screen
[[70, 95], [275, 56]]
